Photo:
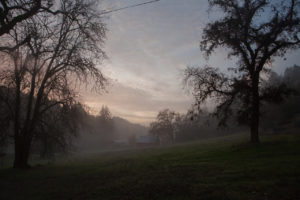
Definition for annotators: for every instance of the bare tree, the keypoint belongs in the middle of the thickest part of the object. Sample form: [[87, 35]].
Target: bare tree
[[42, 74], [13, 12], [254, 32]]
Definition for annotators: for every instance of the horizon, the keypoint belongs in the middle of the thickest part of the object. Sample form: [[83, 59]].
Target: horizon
[[148, 48]]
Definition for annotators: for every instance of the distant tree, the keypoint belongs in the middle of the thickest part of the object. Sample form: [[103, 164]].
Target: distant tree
[[40, 76], [286, 116], [105, 114], [165, 125], [254, 32], [105, 123], [291, 76]]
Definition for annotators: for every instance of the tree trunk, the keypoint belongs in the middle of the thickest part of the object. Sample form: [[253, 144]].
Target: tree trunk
[[22, 149], [254, 123]]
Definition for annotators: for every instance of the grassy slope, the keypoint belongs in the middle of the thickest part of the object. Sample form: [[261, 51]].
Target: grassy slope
[[225, 168]]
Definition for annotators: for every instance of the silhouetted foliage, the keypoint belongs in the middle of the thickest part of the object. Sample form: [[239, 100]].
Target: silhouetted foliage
[[188, 127], [105, 131], [164, 128], [285, 117], [254, 40], [13, 12], [105, 114], [105, 124], [56, 135], [42, 73]]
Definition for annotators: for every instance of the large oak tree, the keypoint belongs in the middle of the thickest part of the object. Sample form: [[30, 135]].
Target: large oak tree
[[39, 78], [254, 32]]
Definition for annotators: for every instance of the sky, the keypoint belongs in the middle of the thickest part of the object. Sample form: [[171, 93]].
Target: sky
[[148, 48]]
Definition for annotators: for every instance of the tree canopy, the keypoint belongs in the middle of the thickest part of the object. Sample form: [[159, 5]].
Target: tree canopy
[[254, 32], [164, 127], [40, 77]]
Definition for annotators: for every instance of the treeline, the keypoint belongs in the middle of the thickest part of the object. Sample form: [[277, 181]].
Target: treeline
[[70, 129], [284, 117], [279, 117], [103, 131], [171, 127], [54, 130]]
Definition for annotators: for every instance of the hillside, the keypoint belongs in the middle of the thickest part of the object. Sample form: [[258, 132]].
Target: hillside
[[125, 129], [223, 168], [97, 137]]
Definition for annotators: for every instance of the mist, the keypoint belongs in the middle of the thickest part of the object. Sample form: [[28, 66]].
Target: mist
[[149, 99]]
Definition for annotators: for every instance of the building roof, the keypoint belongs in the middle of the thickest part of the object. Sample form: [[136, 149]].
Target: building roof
[[146, 139]]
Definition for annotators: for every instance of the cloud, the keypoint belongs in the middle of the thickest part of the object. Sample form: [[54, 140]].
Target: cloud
[[135, 104], [148, 47]]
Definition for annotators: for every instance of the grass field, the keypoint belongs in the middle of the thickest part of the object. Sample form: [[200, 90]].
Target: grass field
[[223, 168]]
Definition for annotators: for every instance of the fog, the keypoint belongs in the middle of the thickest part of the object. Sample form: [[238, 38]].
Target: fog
[[105, 132], [149, 99]]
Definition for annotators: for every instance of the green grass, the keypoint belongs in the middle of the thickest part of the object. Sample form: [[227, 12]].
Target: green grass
[[224, 168]]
